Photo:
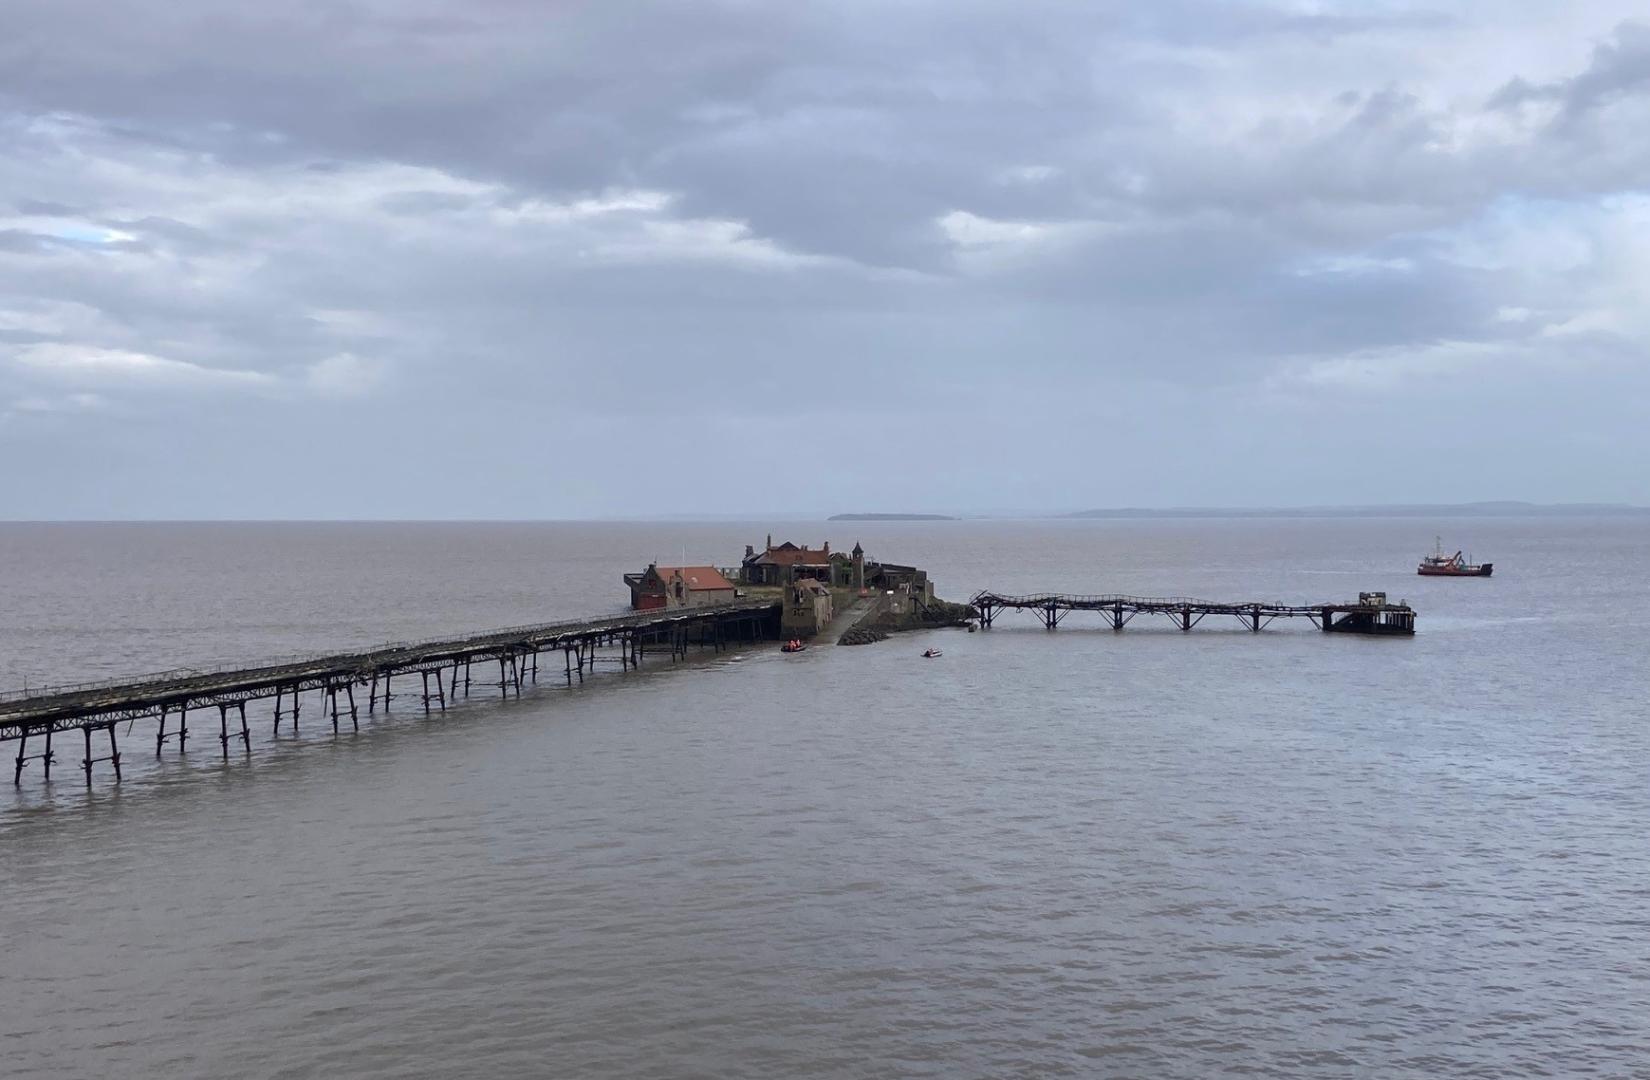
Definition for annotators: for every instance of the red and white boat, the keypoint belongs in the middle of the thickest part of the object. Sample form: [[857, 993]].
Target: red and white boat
[[1440, 565]]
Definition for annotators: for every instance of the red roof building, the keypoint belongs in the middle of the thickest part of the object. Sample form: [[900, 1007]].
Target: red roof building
[[678, 586], [776, 565]]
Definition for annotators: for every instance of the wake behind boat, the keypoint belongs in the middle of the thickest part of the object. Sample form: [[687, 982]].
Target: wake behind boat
[[1440, 565]]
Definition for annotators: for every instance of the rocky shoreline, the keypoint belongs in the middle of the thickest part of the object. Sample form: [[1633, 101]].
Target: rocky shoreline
[[935, 615]]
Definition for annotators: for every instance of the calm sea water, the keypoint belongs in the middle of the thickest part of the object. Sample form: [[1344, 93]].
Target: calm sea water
[[1072, 854]]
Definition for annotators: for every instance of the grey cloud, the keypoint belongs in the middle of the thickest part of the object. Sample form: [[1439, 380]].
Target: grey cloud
[[39, 206], [23, 242], [1619, 67], [481, 226]]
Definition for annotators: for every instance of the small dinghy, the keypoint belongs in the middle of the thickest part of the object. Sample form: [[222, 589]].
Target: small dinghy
[[793, 645], [931, 653]]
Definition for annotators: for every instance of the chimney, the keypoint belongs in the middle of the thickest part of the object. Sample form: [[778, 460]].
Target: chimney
[[749, 551], [770, 541], [827, 547]]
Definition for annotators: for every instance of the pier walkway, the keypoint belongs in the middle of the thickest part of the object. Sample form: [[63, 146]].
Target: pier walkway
[[442, 665], [1370, 615]]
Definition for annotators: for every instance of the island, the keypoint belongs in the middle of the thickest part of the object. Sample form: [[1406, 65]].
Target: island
[[890, 517]]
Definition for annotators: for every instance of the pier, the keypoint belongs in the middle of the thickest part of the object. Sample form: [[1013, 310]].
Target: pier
[[1371, 614], [443, 669]]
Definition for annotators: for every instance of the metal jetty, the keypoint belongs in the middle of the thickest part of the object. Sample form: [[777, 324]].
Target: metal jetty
[[1372, 614], [443, 663]]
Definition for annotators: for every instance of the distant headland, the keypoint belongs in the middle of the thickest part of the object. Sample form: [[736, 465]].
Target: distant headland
[[890, 517], [1475, 509]]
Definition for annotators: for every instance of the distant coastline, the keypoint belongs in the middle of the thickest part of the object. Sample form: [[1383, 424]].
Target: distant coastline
[[890, 517], [1476, 509]]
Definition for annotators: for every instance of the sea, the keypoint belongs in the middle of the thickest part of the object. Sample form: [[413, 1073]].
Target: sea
[[1081, 853]]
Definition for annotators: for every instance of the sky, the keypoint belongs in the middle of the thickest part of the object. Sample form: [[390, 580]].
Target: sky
[[511, 259]]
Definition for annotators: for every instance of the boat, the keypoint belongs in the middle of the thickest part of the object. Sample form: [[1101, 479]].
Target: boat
[[931, 653], [793, 645], [1440, 565]]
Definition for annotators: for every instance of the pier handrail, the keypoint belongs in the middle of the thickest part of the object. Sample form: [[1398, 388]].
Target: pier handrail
[[364, 657], [1043, 599]]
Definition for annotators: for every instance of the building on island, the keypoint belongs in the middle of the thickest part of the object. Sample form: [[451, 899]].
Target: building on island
[[807, 608], [783, 563], [678, 587], [787, 562], [892, 577]]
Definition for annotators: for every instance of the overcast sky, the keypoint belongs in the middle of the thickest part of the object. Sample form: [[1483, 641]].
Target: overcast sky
[[502, 258]]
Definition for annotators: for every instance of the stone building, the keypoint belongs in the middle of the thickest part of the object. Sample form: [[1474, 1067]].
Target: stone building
[[788, 562], [887, 577], [807, 608], [678, 587]]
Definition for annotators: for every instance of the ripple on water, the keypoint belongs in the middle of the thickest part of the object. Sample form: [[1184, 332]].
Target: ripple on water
[[1071, 854]]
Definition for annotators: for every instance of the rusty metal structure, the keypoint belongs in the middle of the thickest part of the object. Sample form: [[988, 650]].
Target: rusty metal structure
[[1370, 615], [443, 666]]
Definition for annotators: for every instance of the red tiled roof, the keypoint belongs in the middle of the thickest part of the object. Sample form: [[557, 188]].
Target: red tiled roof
[[698, 578]]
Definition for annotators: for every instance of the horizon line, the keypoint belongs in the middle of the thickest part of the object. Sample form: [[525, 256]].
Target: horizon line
[[1511, 507]]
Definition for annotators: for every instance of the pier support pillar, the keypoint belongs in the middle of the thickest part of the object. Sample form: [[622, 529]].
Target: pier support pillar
[[114, 751], [329, 702], [22, 745], [224, 734], [24, 757]]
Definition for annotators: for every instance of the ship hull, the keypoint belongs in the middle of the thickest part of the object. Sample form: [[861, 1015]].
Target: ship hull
[[1467, 571]]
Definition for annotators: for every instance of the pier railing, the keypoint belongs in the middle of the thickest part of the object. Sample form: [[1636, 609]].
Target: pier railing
[[525, 633], [1369, 615], [442, 664]]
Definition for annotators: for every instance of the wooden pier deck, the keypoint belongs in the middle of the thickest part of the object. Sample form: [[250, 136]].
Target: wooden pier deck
[[444, 667], [1371, 614]]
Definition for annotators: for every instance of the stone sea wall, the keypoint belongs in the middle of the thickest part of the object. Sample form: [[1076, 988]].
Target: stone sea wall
[[893, 614]]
